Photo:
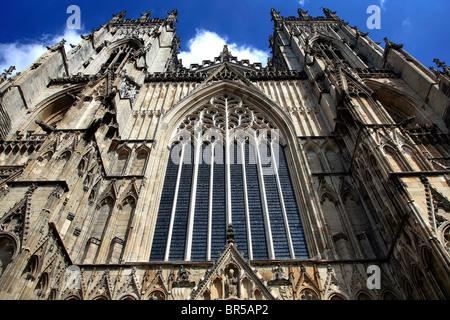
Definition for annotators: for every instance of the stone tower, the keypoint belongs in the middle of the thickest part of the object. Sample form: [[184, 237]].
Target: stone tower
[[324, 175]]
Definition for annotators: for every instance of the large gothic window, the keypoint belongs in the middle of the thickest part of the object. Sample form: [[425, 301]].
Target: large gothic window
[[227, 167], [329, 51], [119, 56]]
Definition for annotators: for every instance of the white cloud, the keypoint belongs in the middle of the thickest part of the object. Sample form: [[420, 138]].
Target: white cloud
[[207, 45], [19, 55], [22, 55], [406, 23], [383, 4], [302, 2]]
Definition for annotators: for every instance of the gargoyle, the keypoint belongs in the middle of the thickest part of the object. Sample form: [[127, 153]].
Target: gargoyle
[[47, 128]]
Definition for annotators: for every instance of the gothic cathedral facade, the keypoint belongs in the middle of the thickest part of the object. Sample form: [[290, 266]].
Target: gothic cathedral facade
[[321, 176]]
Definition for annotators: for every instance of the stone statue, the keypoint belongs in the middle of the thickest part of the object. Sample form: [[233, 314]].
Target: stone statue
[[231, 285], [183, 275]]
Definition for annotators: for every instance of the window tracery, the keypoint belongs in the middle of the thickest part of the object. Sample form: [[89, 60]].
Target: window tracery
[[118, 57], [329, 51]]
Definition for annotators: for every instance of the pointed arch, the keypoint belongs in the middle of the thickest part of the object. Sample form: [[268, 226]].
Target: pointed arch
[[411, 157], [130, 194], [328, 195], [9, 249], [135, 42], [156, 290], [141, 156], [333, 155], [121, 227], [251, 94], [14, 222], [336, 50], [106, 205], [128, 296], [115, 54], [389, 295], [32, 267], [314, 156], [395, 163], [110, 191], [122, 158], [100, 221], [65, 155], [363, 295], [52, 109], [267, 114], [437, 274], [422, 284], [42, 285], [400, 105], [337, 296]]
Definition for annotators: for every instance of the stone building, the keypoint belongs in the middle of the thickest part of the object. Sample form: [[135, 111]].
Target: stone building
[[324, 175]]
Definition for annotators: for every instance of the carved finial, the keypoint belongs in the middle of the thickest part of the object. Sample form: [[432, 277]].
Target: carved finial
[[146, 15], [119, 17], [6, 73], [328, 12], [225, 55], [275, 14], [440, 64], [173, 13], [10, 70], [172, 18], [302, 14], [230, 234], [392, 44]]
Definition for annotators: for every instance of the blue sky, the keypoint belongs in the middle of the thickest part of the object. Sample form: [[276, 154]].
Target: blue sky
[[204, 26]]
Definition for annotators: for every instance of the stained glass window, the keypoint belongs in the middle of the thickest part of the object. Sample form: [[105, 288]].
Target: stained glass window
[[253, 192]]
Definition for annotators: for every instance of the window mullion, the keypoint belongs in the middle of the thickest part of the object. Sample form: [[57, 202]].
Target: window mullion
[[174, 206], [227, 170], [190, 225], [210, 205], [247, 211], [283, 208], [265, 207]]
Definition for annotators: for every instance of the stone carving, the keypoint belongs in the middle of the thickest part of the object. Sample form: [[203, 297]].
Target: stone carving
[[128, 90], [47, 128], [278, 277], [183, 279], [231, 283], [230, 234]]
